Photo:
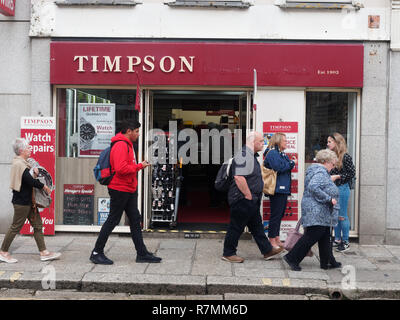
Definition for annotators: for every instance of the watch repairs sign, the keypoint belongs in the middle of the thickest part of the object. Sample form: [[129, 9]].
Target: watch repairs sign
[[7, 7], [41, 134]]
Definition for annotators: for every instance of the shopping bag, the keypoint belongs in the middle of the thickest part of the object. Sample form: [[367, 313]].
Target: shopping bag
[[293, 235]]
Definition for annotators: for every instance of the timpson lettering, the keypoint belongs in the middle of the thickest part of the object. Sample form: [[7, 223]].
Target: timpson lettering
[[167, 64], [38, 121]]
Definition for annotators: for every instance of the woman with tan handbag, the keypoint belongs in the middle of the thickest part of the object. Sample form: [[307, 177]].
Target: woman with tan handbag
[[278, 161]]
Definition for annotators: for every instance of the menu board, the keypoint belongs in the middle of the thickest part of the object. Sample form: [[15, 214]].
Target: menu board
[[78, 204]]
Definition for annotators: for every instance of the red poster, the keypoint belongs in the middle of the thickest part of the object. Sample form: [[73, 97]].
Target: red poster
[[41, 133], [290, 129], [7, 7]]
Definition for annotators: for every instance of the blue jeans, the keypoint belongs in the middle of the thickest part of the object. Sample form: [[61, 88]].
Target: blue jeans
[[343, 228]]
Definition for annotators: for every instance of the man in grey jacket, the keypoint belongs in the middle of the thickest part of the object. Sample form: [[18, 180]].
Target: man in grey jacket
[[244, 197]]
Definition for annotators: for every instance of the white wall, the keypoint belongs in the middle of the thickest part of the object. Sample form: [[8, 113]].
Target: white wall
[[285, 106], [263, 20]]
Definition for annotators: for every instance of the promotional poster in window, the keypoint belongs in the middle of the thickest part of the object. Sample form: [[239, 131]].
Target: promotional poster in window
[[96, 127]]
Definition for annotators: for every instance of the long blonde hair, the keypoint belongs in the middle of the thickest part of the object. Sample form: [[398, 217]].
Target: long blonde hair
[[340, 148], [276, 140]]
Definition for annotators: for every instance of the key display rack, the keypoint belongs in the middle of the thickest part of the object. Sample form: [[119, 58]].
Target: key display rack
[[165, 187]]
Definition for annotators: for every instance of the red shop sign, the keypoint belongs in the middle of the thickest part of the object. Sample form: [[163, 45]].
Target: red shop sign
[[206, 63], [41, 134], [7, 7]]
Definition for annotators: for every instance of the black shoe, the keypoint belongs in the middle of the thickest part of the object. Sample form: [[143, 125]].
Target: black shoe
[[293, 266], [343, 246], [148, 258], [100, 258], [334, 265]]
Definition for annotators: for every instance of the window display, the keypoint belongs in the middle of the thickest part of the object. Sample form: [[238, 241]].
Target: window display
[[87, 120], [326, 113]]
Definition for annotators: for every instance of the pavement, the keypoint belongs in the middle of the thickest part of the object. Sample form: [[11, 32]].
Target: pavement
[[193, 267]]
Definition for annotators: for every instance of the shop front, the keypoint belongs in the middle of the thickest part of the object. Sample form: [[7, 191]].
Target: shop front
[[200, 86]]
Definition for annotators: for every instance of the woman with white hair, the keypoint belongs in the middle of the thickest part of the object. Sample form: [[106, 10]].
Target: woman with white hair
[[319, 212], [22, 184]]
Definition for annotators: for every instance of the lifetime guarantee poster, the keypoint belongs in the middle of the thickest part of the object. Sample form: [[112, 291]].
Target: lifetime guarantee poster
[[41, 134], [96, 128]]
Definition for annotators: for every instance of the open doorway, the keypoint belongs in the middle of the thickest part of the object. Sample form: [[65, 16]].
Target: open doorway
[[200, 206]]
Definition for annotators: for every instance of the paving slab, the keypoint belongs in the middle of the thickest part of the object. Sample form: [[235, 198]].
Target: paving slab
[[144, 284], [78, 295], [375, 251], [6, 294], [243, 297], [212, 267]]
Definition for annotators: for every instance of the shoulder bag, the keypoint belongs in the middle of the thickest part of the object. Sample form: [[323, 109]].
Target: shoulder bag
[[293, 235], [269, 178]]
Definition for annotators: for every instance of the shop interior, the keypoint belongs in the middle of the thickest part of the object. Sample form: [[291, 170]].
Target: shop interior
[[200, 206]]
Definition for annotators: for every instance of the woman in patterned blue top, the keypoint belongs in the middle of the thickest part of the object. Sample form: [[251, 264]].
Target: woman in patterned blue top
[[319, 212], [342, 174]]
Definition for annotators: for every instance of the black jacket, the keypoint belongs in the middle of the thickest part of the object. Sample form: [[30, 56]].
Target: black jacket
[[24, 196]]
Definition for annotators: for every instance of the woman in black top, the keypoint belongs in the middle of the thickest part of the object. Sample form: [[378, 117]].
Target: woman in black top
[[22, 184], [342, 174]]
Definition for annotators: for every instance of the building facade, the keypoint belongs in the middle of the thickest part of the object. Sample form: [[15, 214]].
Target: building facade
[[323, 66]]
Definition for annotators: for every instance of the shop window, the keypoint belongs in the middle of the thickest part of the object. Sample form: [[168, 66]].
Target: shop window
[[319, 4], [213, 4], [326, 113], [87, 120]]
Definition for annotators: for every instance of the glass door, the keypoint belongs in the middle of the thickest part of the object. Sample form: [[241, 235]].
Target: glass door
[[326, 113], [147, 127]]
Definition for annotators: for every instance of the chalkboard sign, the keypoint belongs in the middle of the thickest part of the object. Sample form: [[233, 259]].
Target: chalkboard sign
[[78, 204]]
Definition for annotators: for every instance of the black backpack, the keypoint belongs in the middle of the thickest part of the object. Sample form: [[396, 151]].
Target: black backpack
[[223, 179]]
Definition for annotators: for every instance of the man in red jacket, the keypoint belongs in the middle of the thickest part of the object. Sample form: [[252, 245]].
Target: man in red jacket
[[123, 195]]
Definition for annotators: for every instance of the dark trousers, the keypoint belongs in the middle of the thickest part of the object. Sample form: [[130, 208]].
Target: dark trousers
[[311, 236], [120, 202], [278, 207], [245, 213]]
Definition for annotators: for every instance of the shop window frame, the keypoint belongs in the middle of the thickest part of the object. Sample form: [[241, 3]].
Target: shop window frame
[[119, 229], [353, 233]]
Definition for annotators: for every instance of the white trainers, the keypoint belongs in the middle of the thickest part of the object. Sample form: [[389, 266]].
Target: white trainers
[[50, 256], [7, 259]]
